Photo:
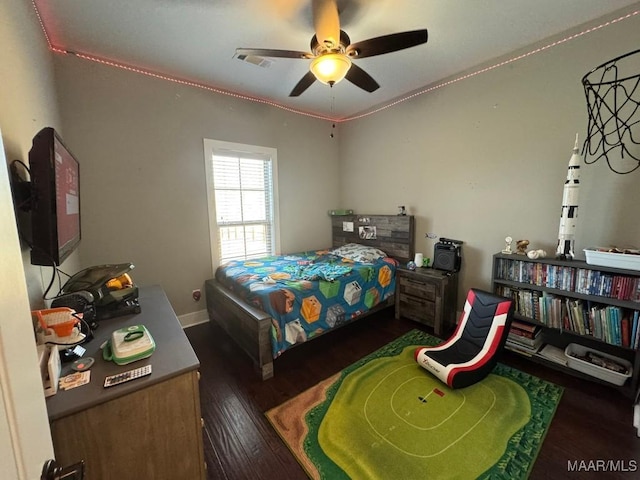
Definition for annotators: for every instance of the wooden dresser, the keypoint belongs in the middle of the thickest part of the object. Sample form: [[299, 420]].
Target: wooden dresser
[[427, 296], [146, 428]]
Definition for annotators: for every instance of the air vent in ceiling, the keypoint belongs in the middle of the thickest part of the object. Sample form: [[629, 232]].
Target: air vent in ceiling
[[255, 60]]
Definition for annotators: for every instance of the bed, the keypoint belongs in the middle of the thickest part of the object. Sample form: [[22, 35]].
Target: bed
[[272, 304]]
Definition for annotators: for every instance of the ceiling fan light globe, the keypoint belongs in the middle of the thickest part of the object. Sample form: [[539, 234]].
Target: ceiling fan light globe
[[330, 68]]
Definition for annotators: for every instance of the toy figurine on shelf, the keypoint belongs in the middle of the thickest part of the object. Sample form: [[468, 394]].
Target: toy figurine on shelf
[[535, 254], [507, 246], [521, 247]]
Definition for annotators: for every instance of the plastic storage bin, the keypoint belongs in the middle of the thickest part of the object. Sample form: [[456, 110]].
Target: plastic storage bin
[[60, 320], [613, 260], [129, 344], [595, 370]]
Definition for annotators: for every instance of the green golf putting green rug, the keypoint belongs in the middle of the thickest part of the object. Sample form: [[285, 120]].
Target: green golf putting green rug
[[384, 417]]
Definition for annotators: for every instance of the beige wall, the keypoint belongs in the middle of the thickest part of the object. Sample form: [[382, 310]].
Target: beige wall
[[27, 103], [140, 144], [487, 157], [479, 160]]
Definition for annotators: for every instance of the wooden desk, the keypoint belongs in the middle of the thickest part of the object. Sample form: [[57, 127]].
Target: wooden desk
[[147, 428]]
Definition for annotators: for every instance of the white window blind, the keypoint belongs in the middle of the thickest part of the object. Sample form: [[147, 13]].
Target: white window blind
[[243, 187]]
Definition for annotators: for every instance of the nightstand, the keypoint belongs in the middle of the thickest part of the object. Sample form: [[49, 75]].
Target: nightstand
[[427, 296]]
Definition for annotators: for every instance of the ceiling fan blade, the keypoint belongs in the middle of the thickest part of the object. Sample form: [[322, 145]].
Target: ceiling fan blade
[[304, 83], [326, 22], [387, 43], [361, 79], [266, 52]]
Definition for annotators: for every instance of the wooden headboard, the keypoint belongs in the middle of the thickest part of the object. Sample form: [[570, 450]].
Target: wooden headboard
[[393, 234]]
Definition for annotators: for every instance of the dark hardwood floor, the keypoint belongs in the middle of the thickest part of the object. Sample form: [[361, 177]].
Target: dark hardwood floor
[[593, 422]]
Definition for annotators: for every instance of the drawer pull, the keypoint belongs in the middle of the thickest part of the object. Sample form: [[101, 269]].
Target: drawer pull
[[415, 301]]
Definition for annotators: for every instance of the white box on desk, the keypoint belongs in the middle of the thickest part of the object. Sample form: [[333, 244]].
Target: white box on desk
[[50, 367]]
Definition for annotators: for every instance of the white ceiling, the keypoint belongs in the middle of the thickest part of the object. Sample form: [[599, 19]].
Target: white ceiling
[[195, 40]]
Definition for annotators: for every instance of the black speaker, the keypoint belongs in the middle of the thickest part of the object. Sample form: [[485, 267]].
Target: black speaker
[[447, 255]]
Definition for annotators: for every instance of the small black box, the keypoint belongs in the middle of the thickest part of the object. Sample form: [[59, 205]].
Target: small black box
[[447, 256]]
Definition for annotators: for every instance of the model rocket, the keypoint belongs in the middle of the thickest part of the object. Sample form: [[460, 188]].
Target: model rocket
[[569, 215]]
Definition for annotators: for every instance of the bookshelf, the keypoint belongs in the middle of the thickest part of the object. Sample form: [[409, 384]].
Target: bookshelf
[[572, 302]]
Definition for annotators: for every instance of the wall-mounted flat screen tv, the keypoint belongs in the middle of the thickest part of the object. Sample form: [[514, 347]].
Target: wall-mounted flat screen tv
[[55, 199]]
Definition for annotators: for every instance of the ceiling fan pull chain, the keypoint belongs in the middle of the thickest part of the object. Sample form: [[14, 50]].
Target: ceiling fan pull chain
[[333, 126]]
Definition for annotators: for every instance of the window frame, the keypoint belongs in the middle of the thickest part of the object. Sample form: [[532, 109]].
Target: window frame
[[212, 147]]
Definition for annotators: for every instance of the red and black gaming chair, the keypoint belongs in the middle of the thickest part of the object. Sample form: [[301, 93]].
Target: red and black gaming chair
[[471, 353]]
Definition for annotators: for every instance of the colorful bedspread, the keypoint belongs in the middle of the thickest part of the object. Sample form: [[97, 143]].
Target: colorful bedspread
[[308, 293]]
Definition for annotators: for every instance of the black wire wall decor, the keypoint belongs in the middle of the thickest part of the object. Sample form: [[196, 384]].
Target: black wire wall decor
[[613, 104]]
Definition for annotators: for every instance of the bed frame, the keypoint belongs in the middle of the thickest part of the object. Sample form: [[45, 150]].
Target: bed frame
[[250, 327]]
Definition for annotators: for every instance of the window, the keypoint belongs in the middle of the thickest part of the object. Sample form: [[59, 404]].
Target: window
[[241, 188]]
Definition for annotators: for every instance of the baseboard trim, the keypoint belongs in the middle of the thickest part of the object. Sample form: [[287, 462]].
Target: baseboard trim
[[194, 318]]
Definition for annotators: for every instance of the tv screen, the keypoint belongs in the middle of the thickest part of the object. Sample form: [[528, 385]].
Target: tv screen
[[55, 208]]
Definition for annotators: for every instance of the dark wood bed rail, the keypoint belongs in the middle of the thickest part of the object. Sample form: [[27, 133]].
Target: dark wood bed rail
[[250, 328]]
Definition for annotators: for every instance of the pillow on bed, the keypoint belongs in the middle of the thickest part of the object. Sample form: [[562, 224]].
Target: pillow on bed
[[359, 253]]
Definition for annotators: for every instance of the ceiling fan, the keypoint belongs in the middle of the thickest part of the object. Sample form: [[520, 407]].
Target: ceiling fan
[[332, 51]]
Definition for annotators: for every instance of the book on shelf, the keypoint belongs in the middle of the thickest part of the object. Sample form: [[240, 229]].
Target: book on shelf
[[524, 326], [584, 280], [525, 301], [624, 332], [525, 341], [610, 323], [524, 333], [553, 311], [636, 330], [578, 317], [522, 348], [553, 354]]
